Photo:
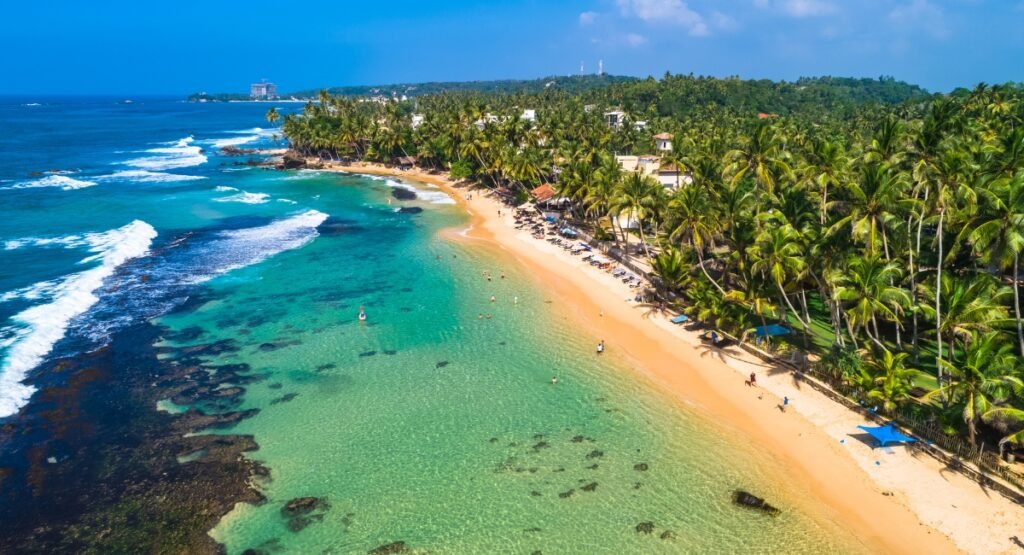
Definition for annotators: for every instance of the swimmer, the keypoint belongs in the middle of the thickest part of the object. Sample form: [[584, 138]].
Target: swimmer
[[480, 316], [600, 347], [503, 275], [493, 298], [515, 300], [554, 380], [488, 316]]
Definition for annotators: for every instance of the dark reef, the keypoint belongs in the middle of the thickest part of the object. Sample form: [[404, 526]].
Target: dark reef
[[91, 466]]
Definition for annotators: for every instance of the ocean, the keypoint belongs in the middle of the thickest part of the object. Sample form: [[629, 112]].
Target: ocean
[[433, 422]]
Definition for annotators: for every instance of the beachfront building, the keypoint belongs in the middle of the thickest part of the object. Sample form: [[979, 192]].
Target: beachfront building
[[417, 120], [663, 142], [671, 177], [615, 118], [488, 118], [646, 165], [530, 115], [263, 90]]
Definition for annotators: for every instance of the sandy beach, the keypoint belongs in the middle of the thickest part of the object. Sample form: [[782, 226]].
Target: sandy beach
[[896, 502]]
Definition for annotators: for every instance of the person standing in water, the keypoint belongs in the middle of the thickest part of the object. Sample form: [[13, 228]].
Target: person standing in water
[[600, 347], [554, 380], [362, 314]]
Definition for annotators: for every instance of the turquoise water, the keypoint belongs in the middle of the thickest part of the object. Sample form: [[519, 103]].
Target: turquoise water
[[425, 424]]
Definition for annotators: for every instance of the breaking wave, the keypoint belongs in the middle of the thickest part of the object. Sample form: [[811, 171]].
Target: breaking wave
[[37, 329], [62, 181], [180, 154]]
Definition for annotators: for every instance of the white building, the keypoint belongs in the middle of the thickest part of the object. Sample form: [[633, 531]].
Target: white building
[[640, 125], [530, 115], [488, 118], [263, 90], [417, 120], [663, 141], [615, 118], [672, 177]]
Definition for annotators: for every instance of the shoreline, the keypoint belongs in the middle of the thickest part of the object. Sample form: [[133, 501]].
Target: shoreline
[[904, 503]]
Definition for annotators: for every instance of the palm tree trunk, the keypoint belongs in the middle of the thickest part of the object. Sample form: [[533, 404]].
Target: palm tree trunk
[[938, 303], [700, 262], [1016, 301]]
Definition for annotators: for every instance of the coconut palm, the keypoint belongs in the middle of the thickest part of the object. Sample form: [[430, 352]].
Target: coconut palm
[[865, 287], [982, 379]]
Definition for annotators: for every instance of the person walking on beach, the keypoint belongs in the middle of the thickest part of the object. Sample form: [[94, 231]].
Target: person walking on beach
[[753, 379], [785, 403]]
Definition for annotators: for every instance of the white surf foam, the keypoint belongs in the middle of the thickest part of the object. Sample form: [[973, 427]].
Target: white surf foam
[[40, 327], [233, 141], [246, 197], [244, 247], [303, 174], [224, 189], [62, 181], [431, 196], [146, 176], [180, 154]]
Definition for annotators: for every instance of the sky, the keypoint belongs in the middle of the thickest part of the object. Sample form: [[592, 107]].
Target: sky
[[139, 47]]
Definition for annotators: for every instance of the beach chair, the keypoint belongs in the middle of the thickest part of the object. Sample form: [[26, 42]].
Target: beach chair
[[680, 319]]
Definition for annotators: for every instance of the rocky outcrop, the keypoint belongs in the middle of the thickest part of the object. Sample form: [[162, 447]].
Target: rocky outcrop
[[752, 501]]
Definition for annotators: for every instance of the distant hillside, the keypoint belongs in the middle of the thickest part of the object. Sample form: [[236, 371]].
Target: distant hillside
[[682, 95], [570, 84]]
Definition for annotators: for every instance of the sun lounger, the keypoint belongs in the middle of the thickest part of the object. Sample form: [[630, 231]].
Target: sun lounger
[[680, 319]]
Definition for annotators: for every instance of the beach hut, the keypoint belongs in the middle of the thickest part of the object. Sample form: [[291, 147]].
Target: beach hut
[[406, 162], [884, 435], [543, 193]]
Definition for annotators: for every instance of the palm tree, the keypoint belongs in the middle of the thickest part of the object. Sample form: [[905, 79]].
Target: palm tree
[[272, 115], [998, 234], [866, 288], [778, 256], [984, 378], [763, 156], [885, 378], [693, 220], [636, 198]]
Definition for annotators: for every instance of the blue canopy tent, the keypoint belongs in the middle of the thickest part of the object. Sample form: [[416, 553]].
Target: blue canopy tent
[[761, 332], [680, 319], [887, 434]]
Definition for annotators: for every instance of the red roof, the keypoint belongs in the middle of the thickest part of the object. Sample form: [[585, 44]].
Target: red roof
[[543, 193], [762, 115]]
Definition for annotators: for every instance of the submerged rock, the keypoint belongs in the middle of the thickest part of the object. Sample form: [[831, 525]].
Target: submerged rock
[[641, 467], [367, 353], [303, 511], [403, 194], [441, 364], [752, 501], [595, 454], [645, 528], [566, 494], [589, 487], [667, 535], [389, 549], [284, 398]]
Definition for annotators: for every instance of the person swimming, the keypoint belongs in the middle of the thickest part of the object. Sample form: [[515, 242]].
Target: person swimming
[[554, 380], [362, 314], [493, 298]]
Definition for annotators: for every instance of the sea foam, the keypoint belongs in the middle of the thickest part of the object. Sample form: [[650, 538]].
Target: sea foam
[[62, 181], [246, 197], [431, 196], [180, 154], [39, 328], [146, 176]]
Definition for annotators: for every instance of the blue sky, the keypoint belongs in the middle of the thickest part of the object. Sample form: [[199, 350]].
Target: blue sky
[[121, 47]]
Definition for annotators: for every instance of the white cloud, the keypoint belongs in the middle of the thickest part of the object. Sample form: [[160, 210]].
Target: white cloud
[[722, 21], [798, 8], [587, 18], [673, 12], [920, 14], [635, 40]]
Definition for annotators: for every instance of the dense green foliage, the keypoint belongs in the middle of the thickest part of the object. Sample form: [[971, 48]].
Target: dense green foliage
[[883, 224], [572, 84]]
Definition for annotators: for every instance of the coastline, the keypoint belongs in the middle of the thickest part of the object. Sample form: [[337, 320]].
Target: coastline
[[892, 506]]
